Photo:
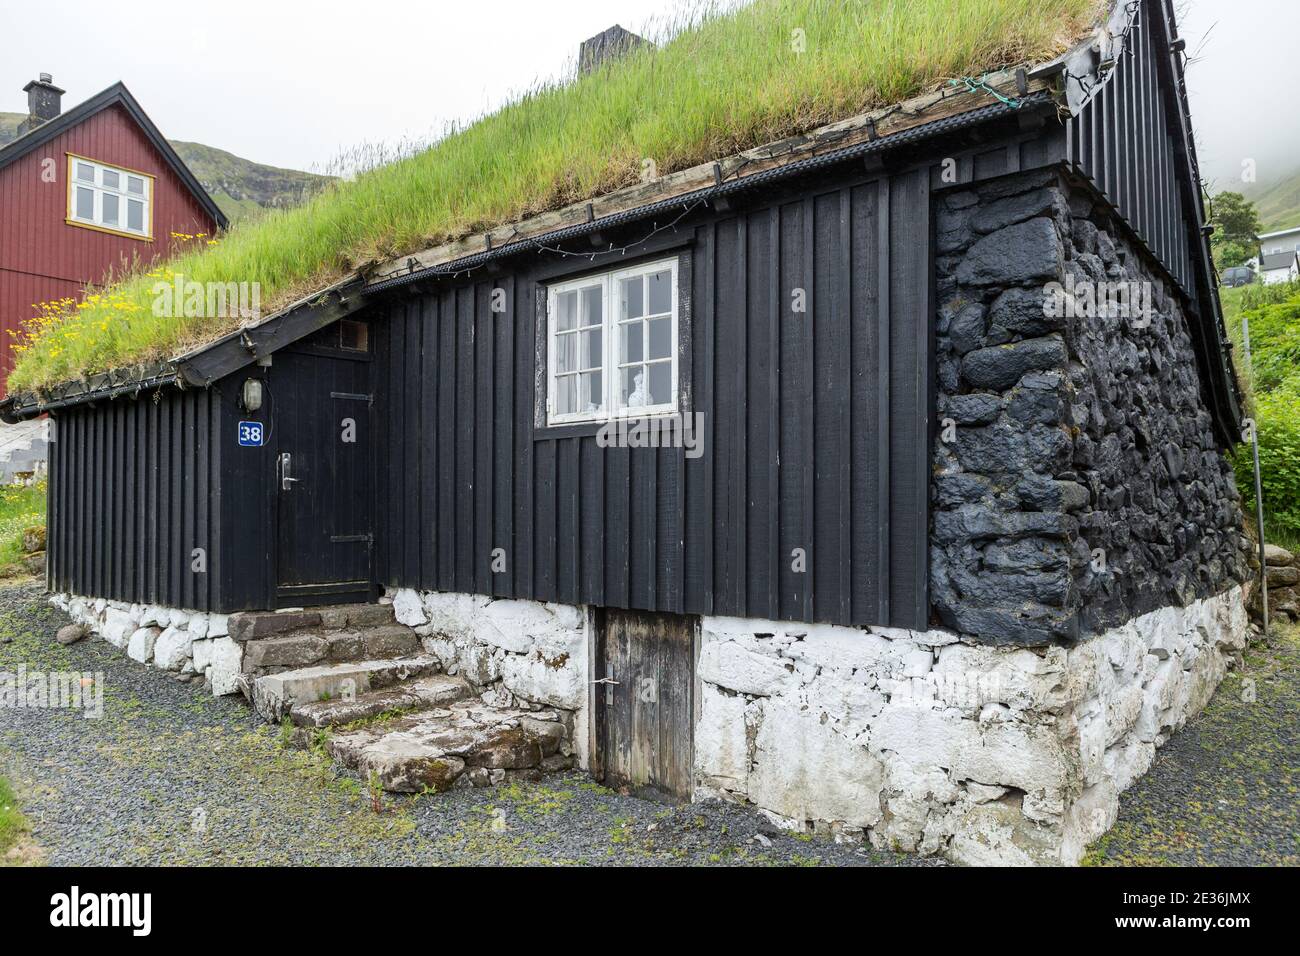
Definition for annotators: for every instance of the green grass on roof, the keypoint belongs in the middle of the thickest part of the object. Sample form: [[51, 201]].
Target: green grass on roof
[[723, 82]]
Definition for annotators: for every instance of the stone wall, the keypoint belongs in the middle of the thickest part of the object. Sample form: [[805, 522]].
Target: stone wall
[[191, 645], [940, 744], [1077, 479], [512, 652]]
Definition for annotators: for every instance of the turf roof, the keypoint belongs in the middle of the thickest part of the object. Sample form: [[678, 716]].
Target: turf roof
[[719, 82]]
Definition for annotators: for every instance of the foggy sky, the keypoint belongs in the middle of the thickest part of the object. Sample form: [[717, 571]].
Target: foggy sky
[[294, 84]]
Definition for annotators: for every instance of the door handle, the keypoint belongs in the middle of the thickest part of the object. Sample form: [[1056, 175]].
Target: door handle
[[286, 482]]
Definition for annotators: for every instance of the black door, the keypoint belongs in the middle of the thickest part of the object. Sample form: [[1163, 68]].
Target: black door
[[644, 693], [322, 410]]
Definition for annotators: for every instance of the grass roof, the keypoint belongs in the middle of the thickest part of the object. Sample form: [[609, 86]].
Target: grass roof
[[720, 82]]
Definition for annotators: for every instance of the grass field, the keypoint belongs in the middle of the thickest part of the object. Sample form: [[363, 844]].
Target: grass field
[[14, 829], [21, 507], [719, 83]]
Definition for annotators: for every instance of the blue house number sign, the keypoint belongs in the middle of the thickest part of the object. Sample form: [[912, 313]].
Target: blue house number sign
[[250, 433]]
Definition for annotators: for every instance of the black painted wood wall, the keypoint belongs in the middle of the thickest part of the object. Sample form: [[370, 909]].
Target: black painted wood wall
[[134, 488], [816, 429]]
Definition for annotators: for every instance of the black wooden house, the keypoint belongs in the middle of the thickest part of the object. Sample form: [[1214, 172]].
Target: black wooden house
[[818, 424]]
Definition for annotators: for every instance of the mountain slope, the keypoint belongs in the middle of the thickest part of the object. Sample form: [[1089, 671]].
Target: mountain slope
[[1277, 201], [240, 187]]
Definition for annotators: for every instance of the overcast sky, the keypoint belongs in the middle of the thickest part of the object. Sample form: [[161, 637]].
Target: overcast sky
[[295, 84]]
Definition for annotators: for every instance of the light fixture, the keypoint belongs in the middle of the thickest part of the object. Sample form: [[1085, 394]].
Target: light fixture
[[252, 394]]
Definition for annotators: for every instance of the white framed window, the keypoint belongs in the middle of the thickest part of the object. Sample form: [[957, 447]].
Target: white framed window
[[109, 198], [612, 345]]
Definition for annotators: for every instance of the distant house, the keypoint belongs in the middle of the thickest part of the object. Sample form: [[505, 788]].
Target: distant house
[[1284, 240], [84, 192], [1279, 267]]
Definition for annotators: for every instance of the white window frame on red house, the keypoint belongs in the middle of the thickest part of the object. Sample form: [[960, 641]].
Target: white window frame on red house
[[106, 186]]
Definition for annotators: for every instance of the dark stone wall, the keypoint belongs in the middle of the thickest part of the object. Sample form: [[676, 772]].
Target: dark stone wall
[[1077, 480]]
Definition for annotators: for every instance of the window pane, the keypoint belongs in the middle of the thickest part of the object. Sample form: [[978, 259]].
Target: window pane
[[593, 305], [633, 302], [85, 173], [661, 384], [661, 292], [566, 311], [110, 209], [109, 178], [591, 392], [566, 395], [593, 352], [661, 338], [134, 184], [566, 352], [631, 348], [632, 387], [135, 217], [85, 203]]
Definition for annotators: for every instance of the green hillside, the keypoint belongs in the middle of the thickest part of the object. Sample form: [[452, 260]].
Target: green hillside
[[9, 126], [243, 188], [240, 187], [1277, 201]]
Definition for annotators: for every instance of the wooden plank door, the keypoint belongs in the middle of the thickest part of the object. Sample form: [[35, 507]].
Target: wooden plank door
[[644, 696], [323, 478]]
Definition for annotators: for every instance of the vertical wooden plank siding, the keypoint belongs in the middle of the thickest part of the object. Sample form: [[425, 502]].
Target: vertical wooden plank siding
[[810, 499], [1124, 140], [134, 489]]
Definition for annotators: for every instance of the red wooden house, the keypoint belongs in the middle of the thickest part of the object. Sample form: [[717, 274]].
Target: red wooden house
[[83, 193]]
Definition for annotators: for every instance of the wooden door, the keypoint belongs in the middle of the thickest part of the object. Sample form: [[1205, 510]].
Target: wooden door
[[644, 695], [323, 469]]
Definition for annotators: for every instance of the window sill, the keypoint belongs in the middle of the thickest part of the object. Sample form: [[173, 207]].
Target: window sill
[[590, 429], [104, 229]]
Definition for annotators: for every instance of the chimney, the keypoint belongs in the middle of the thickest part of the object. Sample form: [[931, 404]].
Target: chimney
[[603, 47], [44, 103]]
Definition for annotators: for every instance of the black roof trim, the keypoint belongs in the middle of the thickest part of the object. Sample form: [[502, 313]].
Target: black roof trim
[[120, 95]]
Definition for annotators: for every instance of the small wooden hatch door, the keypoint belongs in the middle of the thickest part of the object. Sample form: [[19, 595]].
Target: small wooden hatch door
[[643, 702]]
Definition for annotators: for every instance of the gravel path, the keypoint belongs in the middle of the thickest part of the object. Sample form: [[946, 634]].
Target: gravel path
[[171, 775], [1223, 790]]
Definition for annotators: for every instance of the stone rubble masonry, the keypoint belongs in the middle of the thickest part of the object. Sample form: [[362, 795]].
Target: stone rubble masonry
[[190, 644], [934, 743], [1080, 484], [512, 652]]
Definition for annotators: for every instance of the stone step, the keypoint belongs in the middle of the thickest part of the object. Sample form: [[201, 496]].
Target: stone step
[[266, 655], [422, 693], [255, 625], [274, 695], [465, 744]]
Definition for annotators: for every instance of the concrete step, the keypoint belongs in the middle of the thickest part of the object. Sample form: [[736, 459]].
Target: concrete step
[[422, 693], [274, 695], [466, 744], [304, 648]]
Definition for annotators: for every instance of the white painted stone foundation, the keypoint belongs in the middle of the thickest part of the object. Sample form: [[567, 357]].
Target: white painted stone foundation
[[931, 744], [171, 639], [920, 741]]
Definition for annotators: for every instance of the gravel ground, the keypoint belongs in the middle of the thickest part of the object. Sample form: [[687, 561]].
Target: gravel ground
[[1223, 790], [171, 775]]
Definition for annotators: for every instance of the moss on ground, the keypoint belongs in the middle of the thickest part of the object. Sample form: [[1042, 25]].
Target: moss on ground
[[1222, 790]]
